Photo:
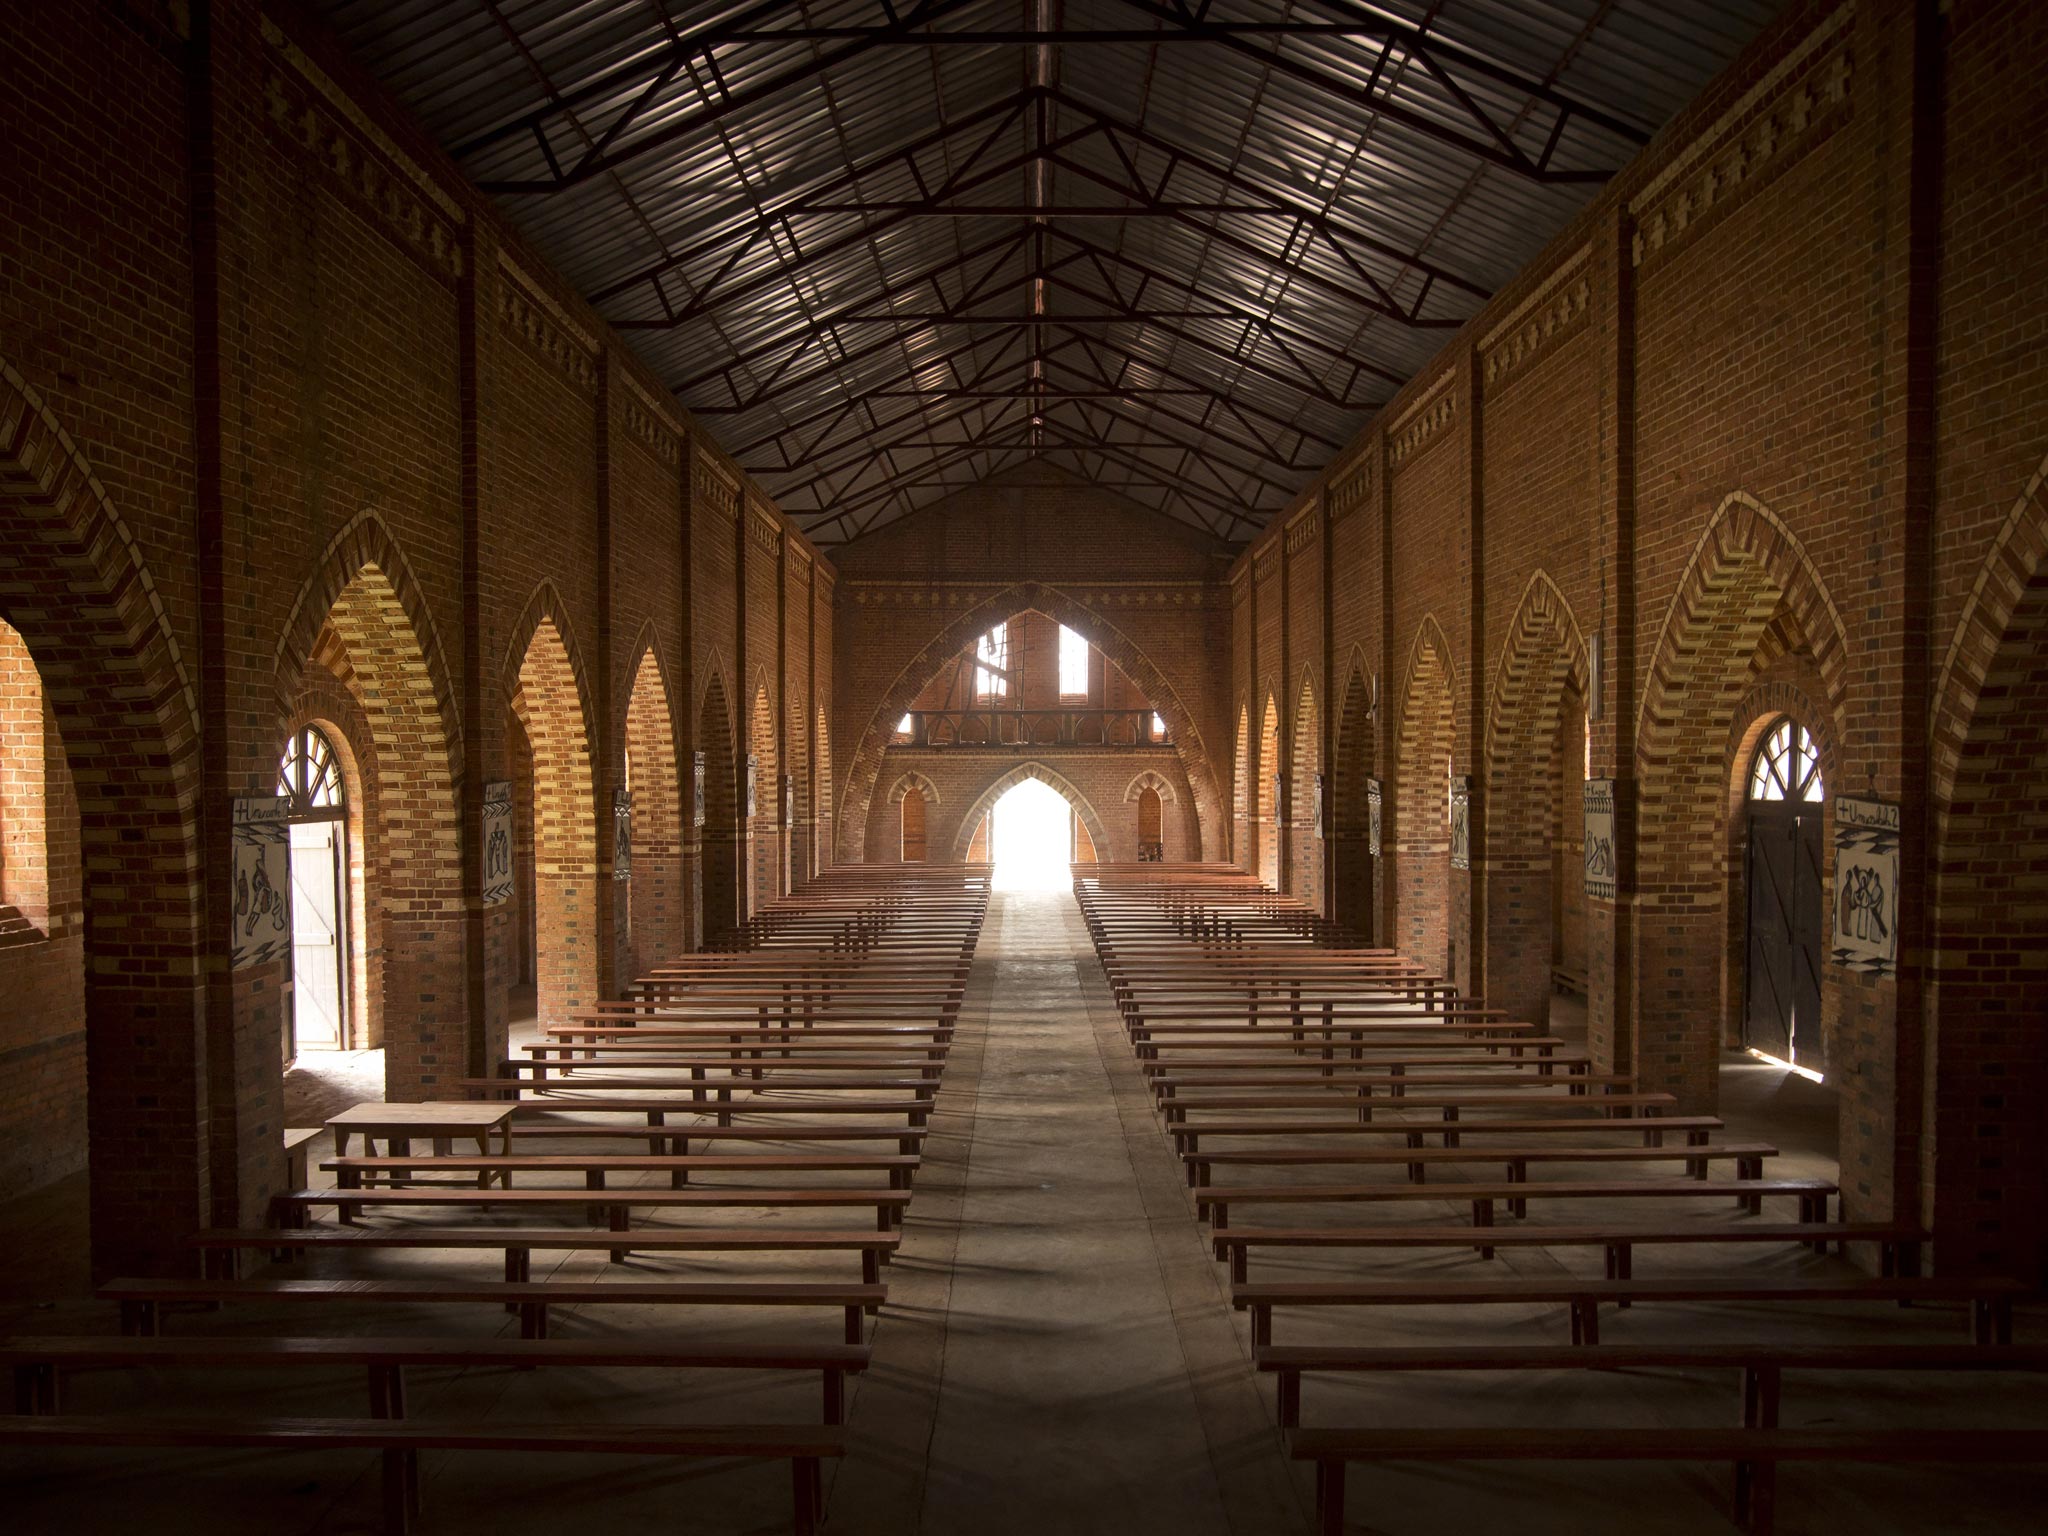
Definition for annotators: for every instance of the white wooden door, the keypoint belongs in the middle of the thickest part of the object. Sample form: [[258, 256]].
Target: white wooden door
[[316, 937]]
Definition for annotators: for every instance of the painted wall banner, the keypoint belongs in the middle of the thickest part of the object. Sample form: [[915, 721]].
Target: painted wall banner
[[753, 785], [622, 834], [263, 881], [1322, 801], [1866, 916], [1599, 802], [1375, 798], [789, 799], [1280, 805], [1461, 821], [497, 842], [696, 789]]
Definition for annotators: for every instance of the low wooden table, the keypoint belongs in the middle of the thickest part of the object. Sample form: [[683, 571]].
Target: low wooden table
[[477, 1120]]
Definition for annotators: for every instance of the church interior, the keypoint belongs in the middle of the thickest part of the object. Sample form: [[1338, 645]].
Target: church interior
[[1024, 766]]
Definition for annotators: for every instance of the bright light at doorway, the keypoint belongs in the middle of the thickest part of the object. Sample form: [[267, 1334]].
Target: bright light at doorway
[[1769, 1060], [1031, 835]]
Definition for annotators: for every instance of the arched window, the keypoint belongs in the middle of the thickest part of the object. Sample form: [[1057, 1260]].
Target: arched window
[[1787, 766], [309, 777], [913, 826], [1150, 845]]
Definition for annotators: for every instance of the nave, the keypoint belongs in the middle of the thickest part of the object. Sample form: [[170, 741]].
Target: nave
[[1170, 1233]]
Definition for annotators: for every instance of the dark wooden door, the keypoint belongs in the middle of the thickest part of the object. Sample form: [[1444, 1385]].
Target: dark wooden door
[[1786, 907]]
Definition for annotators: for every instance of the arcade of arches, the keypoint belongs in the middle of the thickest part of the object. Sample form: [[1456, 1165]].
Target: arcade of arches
[[1652, 646]]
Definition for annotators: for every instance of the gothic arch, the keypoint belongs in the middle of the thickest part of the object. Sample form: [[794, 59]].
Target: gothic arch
[[864, 769], [1305, 763], [1988, 1146], [763, 828], [917, 781], [1266, 812], [1420, 833], [985, 802], [1241, 791], [1529, 794], [1749, 595], [1159, 786], [653, 930], [1351, 864], [719, 839], [76, 588], [365, 542], [544, 689]]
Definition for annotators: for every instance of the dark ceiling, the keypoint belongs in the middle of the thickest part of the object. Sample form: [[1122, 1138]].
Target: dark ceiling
[[1183, 248]]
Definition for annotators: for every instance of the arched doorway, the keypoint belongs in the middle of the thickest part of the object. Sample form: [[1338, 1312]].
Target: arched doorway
[[1351, 884], [653, 926], [1266, 789], [1306, 852], [718, 817], [310, 781], [1422, 808], [1786, 897], [1031, 838]]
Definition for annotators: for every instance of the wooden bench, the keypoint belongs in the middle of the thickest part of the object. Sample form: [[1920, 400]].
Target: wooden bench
[[1189, 1134], [1989, 1300], [677, 1139], [39, 1364], [520, 1243], [1812, 1195], [1536, 1096], [1755, 1453], [143, 1301], [1898, 1246], [914, 1111], [594, 1166], [1761, 1366], [1748, 1158], [1393, 1084], [804, 1447], [699, 1087], [887, 1204]]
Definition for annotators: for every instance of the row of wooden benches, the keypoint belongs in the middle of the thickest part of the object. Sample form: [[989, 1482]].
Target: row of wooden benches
[[688, 1057], [1270, 1040]]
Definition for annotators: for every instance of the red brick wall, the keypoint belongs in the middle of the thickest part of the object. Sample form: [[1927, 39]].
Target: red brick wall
[[960, 782], [308, 384], [1730, 431]]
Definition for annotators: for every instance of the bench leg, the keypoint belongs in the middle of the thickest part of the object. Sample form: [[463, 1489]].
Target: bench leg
[[398, 1500], [853, 1325], [617, 1219], [870, 1267], [1289, 1399], [1482, 1216], [835, 1396], [1330, 1498], [807, 1491]]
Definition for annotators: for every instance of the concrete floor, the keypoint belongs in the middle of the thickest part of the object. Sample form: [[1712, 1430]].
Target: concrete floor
[[1058, 1354]]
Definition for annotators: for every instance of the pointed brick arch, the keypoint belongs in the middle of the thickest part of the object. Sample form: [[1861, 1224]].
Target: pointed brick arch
[[1419, 828], [544, 685], [1533, 792], [1266, 811], [76, 588], [352, 620], [1989, 1149], [1351, 862], [1749, 592], [1159, 785], [654, 928], [764, 835], [824, 812], [1243, 844], [985, 802], [917, 781], [865, 767], [720, 839], [1306, 763]]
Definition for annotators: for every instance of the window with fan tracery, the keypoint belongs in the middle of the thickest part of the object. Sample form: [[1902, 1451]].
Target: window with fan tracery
[[309, 777], [1787, 766]]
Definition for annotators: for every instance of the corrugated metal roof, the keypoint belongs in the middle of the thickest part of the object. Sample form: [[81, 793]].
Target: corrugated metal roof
[[1183, 250]]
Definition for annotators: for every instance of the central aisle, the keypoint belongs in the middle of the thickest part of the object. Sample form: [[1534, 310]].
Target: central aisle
[[1058, 1354]]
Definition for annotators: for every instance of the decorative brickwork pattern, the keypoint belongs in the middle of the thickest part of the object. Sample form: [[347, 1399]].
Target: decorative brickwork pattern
[[656, 919], [1420, 834]]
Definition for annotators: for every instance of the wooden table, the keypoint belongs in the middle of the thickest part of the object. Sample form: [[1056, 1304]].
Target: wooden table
[[477, 1120]]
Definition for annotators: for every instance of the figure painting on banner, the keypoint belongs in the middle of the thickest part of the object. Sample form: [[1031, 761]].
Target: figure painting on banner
[[497, 842], [262, 881], [1599, 803], [1866, 915]]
